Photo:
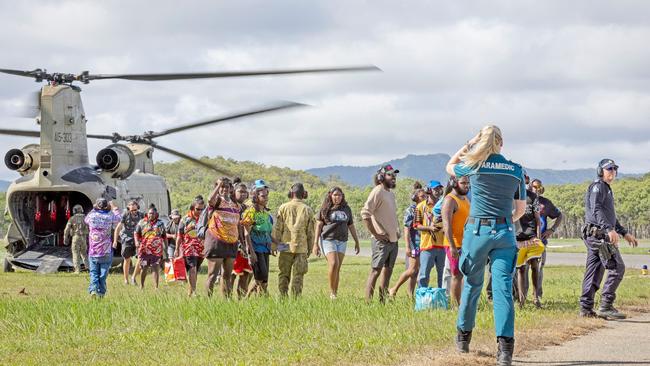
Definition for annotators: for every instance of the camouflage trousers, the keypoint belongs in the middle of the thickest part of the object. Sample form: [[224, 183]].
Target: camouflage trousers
[[79, 249], [288, 262]]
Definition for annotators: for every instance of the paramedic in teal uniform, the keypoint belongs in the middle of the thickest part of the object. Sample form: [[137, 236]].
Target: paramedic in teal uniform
[[498, 199]]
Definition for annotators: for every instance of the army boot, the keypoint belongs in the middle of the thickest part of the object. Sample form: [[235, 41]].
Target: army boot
[[462, 341], [506, 348], [609, 311]]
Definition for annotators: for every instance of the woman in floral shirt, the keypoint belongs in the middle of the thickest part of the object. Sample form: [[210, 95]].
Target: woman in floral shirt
[[150, 237], [189, 245], [222, 236]]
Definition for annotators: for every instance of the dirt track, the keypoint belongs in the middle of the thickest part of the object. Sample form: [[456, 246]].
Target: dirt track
[[625, 342]]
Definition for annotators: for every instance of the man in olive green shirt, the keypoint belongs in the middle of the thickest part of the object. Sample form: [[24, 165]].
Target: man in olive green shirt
[[294, 229]]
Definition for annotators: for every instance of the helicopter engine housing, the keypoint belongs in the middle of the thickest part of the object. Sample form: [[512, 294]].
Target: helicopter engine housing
[[23, 160], [117, 159]]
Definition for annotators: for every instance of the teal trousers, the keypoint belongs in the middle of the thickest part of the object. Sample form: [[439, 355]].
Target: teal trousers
[[496, 242]]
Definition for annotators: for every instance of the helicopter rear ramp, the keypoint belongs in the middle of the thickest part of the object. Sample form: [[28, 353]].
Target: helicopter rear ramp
[[34, 257]]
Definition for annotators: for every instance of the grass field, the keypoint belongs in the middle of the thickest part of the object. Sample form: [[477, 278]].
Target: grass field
[[57, 322]]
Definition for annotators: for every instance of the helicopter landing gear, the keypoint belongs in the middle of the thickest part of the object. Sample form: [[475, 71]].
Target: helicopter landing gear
[[7, 267]]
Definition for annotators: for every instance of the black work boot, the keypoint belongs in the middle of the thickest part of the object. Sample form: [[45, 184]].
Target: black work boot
[[609, 311], [462, 341], [506, 348], [588, 313]]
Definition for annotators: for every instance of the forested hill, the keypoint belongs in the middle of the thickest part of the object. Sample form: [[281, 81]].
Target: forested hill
[[632, 197], [186, 180]]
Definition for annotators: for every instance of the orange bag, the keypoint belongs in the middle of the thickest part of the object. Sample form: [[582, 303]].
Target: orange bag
[[169, 272], [180, 273]]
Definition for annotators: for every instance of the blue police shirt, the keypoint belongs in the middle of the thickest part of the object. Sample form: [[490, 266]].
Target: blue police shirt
[[495, 183]]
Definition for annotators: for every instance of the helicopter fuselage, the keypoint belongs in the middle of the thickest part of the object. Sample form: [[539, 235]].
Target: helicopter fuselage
[[56, 175]]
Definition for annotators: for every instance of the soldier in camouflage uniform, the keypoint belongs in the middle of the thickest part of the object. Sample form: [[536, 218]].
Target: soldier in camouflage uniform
[[78, 231]]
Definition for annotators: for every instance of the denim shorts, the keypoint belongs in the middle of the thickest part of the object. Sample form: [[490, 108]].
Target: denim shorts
[[330, 246]]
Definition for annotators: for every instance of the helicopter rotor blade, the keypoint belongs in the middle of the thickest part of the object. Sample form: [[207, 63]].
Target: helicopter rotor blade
[[223, 74], [192, 159], [29, 74], [273, 108], [28, 107], [19, 133]]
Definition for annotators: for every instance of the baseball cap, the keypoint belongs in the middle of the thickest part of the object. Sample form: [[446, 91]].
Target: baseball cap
[[607, 163], [388, 169], [434, 184], [260, 183]]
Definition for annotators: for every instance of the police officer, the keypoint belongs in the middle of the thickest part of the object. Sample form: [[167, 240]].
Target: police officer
[[601, 235], [77, 229], [497, 187]]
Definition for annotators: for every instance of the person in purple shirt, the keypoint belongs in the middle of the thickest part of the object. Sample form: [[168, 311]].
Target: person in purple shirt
[[100, 253]]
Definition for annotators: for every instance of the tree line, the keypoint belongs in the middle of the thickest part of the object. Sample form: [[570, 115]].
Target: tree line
[[632, 197], [185, 181]]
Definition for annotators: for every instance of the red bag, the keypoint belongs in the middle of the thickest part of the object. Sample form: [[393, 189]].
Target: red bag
[[179, 269]]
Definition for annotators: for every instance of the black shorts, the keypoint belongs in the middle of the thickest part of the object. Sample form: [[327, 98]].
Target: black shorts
[[193, 262], [261, 267], [149, 260], [215, 248], [128, 251]]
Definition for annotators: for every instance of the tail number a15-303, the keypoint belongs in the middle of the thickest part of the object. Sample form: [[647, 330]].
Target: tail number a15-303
[[65, 137]]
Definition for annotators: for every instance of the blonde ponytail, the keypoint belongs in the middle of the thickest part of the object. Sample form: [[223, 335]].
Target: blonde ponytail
[[490, 142]]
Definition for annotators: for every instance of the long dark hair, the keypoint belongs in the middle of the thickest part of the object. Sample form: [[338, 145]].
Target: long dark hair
[[237, 184], [328, 204]]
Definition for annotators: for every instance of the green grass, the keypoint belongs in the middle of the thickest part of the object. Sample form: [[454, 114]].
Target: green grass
[[57, 322]]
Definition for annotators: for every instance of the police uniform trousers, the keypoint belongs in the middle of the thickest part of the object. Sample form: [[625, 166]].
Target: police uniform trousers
[[79, 250], [595, 270], [496, 242]]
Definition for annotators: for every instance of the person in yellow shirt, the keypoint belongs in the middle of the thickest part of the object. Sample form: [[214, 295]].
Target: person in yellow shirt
[[294, 230], [432, 251], [455, 210]]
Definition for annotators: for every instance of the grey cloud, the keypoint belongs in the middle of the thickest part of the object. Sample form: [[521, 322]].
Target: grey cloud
[[570, 76]]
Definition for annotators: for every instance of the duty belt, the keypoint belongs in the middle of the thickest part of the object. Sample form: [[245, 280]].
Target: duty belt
[[485, 221]]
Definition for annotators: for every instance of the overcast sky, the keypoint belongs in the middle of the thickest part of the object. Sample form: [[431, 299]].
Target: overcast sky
[[568, 82]]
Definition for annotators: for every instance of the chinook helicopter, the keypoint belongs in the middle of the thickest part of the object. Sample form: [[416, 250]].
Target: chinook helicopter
[[56, 174]]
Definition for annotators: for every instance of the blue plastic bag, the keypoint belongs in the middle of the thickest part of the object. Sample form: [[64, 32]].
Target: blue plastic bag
[[430, 298]]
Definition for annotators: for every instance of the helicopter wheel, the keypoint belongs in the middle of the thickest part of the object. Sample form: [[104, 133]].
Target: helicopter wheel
[[7, 266]]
